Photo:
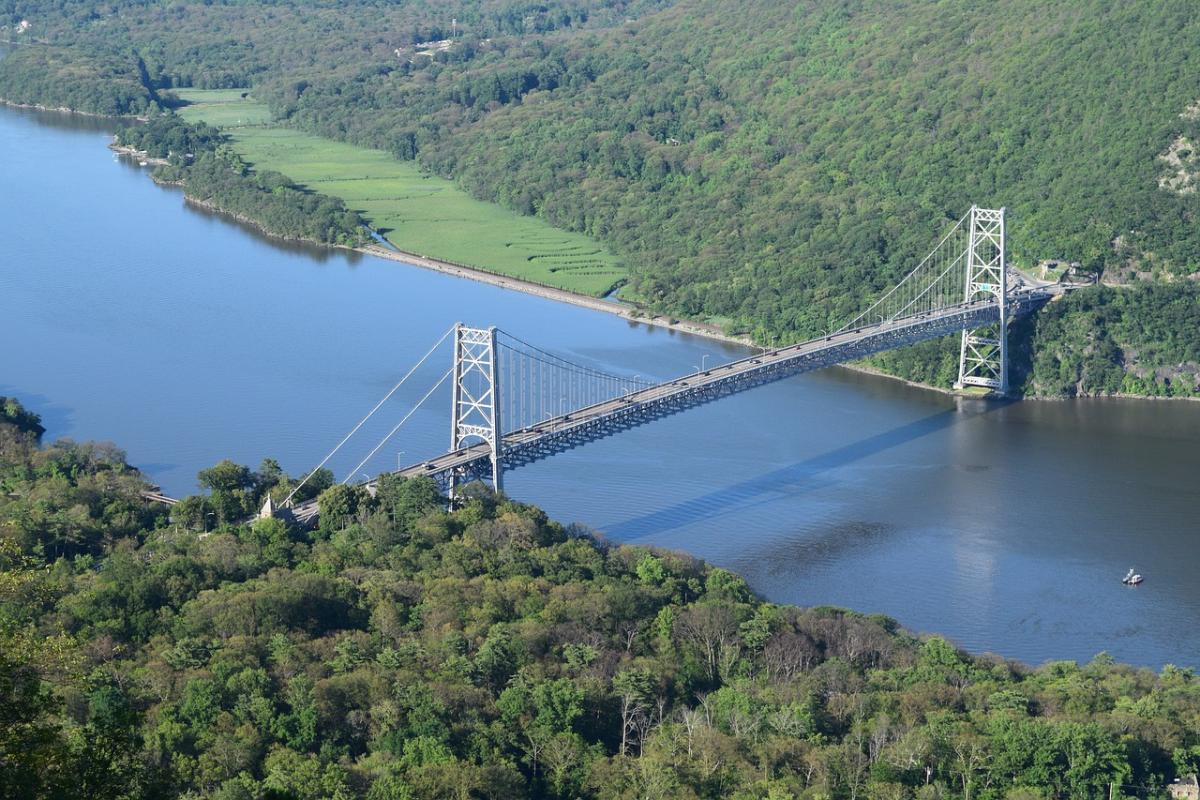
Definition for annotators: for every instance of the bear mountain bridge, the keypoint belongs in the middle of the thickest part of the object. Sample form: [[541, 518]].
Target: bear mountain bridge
[[515, 403]]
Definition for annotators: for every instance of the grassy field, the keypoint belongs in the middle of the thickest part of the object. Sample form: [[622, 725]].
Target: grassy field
[[224, 108], [417, 213]]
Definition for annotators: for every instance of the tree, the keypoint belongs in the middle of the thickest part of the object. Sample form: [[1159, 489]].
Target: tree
[[269, 474], [969, 756], [193, 512], [35, 760], [13, 413], [226, 477], [711, 630], [340, 504], [231, 490], [406, 499], [634, 689], [487, 652], [107, 746], [541, 711]]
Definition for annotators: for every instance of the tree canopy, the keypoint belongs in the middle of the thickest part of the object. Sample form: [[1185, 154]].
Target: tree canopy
[[404, 651]]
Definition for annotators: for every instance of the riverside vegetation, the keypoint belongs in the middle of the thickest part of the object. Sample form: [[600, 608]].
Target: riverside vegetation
[[403, 651], [763, 166], [213, 174], [417, 212]]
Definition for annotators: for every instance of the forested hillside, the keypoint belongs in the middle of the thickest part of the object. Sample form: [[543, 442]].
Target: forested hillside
[[401, 652], [766, 165]]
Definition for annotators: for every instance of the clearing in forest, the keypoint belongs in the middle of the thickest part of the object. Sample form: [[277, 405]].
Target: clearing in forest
[[222, 108], [418, 213]]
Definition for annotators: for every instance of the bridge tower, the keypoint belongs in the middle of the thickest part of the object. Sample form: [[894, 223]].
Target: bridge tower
[[475, 412], [983, 358]]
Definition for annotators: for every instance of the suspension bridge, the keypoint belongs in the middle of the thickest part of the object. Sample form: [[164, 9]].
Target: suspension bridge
[[515, 403]]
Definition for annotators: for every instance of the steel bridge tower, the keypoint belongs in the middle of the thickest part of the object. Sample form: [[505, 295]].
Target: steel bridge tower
[[475, 412], [983, 358]]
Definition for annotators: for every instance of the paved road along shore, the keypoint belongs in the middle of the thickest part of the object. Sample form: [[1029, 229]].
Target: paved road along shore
[[550, 293]]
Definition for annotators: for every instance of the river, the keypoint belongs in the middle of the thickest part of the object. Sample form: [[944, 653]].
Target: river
[[132, 317]]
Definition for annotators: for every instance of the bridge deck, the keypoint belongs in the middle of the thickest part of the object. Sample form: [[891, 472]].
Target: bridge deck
[[588, 424]]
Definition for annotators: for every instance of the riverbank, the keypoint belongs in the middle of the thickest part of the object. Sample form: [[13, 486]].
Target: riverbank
[[626, 588], [64, 110], [248, 221], [502, 277], [631, 313], [387, 250], [414, 210], [144, 158]]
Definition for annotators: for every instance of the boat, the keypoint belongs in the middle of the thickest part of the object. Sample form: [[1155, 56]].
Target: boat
[[1132, 578]]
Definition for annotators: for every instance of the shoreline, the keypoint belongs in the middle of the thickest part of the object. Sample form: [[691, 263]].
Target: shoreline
[[627, 312], [878, 373], [634, 314], [66, 110], [630, 313], [462, 271], [482, 275], [144, 158], [249, 222]]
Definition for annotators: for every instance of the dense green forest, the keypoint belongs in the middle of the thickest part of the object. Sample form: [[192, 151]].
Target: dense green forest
[[402, 652], [215, 176], [98, 82], [769, 166], [1142, 340]]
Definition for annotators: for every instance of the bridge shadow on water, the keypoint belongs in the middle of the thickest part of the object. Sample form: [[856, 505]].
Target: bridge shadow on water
[[803, 476]]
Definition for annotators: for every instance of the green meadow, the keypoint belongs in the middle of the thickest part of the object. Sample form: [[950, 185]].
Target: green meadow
[[222, 108], [416, 212]]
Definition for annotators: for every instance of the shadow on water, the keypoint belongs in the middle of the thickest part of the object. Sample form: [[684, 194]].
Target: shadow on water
[[151, 468], [316, 252], [791, 557], [787, 481], [56, 419], [68, 121]]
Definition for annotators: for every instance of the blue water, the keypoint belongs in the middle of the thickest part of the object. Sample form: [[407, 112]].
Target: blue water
[[186, 338]]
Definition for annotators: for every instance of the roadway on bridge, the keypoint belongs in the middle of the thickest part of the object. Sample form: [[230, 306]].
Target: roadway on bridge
[[847, 345]]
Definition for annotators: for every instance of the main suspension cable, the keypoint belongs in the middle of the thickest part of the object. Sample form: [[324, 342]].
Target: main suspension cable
[[371, 413], [932, 254], [559, 361], [399, 424]]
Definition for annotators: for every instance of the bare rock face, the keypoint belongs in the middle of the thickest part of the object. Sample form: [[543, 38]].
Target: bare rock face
[[1182, 172]]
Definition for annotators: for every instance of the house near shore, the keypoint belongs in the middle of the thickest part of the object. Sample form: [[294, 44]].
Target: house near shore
[[1186, 788]]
